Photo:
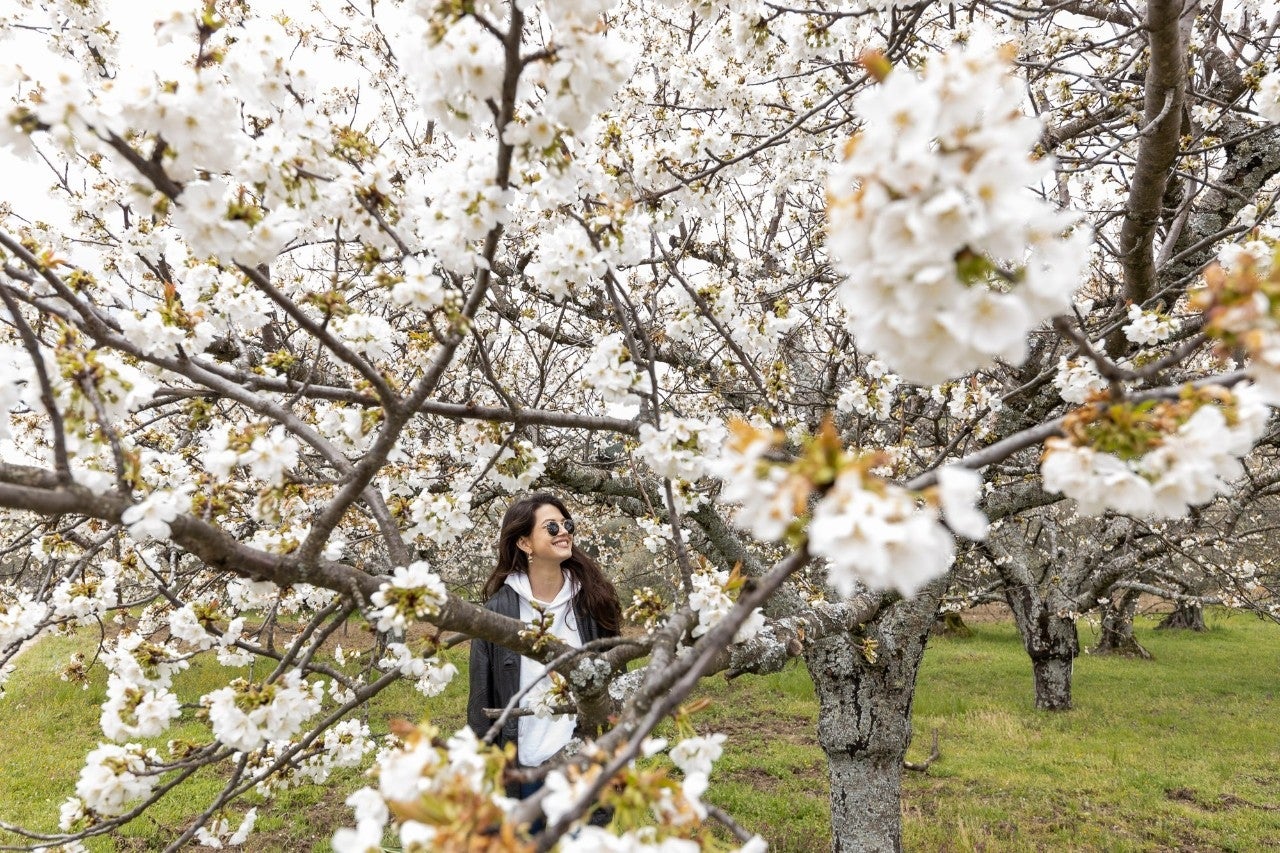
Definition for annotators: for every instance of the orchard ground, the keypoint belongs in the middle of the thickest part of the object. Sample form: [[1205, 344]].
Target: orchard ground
[[1177, 753]]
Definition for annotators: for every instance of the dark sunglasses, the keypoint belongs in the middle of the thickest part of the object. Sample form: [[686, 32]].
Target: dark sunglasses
[[553, 527]]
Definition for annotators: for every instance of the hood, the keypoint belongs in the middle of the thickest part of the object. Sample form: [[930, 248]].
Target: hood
[[519, 581]]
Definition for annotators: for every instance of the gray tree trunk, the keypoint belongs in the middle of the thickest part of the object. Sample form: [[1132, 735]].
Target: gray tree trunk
[[1117, 637], [1050, 641], [864, 721], [1187, 615]]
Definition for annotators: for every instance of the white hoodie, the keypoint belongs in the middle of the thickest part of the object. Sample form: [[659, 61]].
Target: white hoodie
[[540, 739]]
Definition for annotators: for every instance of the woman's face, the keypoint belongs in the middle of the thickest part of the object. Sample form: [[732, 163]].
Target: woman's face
[[541, 544]]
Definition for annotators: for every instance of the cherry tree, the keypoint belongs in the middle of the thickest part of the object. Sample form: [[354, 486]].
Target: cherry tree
[[318, 290]]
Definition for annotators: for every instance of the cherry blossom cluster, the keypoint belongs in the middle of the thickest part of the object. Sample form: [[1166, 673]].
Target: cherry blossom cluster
[[218, 832], [117, 386], [1147, 327], [868, 530], [268, 454], [195, 624], [871, 396], [646, 606], [85, 600], [414, 592], [150, 517], [972, 399], [431, 675], [611, 372], [674, 819], [20, 617], [422, 770], [550, 696], [695, 757], [440, 518], [656, 534], [1078, 379], [191, 624], [514, 464], [246, 714], [112, 778], [421, 286], [136, 660], [567, 262], [683, 448], [137, 711], [221, 219], [712, 597], [344, 745], [951, 258], [186, 118], [1155, 459], [655, 812], [1241, 305]]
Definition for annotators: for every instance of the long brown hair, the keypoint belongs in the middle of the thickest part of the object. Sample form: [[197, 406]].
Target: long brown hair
[[595, 592]]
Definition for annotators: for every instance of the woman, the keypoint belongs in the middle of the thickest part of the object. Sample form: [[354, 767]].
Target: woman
[[537, 562]]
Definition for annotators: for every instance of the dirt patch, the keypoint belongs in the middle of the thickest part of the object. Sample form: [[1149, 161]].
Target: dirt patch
[[1185, 795], [1221, 803], [754, 777], [995, 611], [802, 731]]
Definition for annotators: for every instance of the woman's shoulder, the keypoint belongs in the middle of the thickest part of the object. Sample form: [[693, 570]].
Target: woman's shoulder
[[504, 601]]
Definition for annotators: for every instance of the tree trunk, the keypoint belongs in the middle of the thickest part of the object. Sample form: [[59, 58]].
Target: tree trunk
[[1117, 637], [951, 624], [1052, 675], [864, 721], [1050, 641], [1187, 615]]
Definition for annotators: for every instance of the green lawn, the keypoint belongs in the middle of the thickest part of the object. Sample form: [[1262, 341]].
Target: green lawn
[[1179, 753]]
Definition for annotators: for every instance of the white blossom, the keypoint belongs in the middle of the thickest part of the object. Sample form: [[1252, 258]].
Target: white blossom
[[137, 712], [941, 215], [413, 593], [710, 599], [959, 490], [114, 777], [1077, 379], [1146, 327], [150, 517], [19, 618], [683, 448], [611, 370], [440, 518], [244, 715], [880, 537], [1186, 468], [421, 287]]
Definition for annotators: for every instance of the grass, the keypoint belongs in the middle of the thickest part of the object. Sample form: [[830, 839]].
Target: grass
[[1178, 753], [50, 725]]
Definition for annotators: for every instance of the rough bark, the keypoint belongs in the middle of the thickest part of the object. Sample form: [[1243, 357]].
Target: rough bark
[[864, 720], [1051, 642], [1117, 637], [1187, 616]]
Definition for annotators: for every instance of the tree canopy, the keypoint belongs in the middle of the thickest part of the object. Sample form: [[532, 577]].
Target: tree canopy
[[803, 297]]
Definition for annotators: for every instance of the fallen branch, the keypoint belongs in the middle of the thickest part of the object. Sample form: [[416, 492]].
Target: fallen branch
[[922, 766]]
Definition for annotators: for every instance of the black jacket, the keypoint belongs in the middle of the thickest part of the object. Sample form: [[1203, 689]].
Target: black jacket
[[495, 670]]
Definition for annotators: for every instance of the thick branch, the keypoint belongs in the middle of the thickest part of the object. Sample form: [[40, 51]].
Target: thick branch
[[1165, 93]]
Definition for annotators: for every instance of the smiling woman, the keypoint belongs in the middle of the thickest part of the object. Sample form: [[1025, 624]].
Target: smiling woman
[[542, 576]]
